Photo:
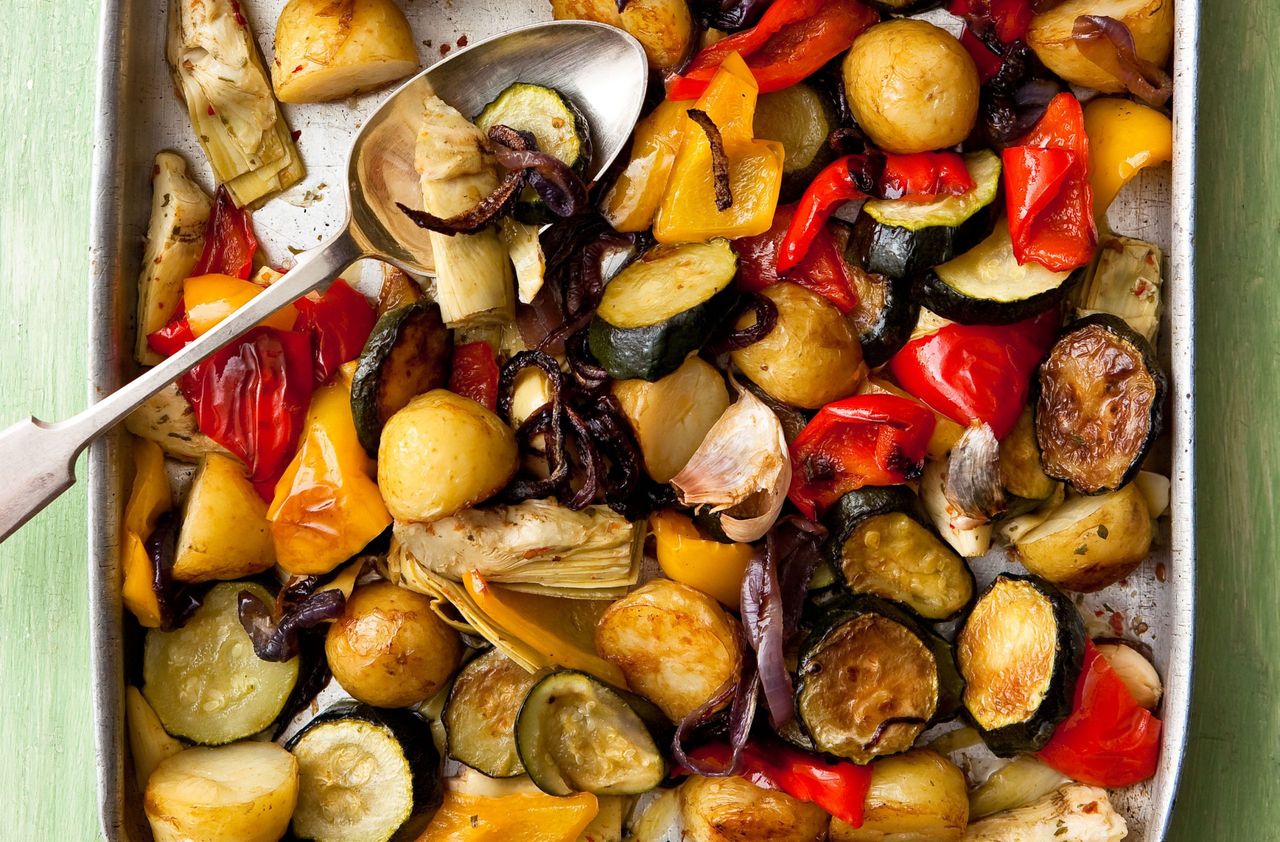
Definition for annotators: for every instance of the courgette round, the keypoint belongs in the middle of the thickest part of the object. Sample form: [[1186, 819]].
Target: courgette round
[[1098, 411], [480, 715], [884, 317], [800, 118], [948, 211]]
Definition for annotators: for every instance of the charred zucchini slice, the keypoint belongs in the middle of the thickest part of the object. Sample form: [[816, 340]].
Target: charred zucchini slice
[[881, 544], [900, 252], [885, 315], [949, 211], [800, 118], [1020, 652], [407, 353], [480, 715], [663, 307], [365, 773], [577, 735], [987, 285], [1101, 392]]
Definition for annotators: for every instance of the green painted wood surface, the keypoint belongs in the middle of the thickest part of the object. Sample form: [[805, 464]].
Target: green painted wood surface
[[1231, 788]]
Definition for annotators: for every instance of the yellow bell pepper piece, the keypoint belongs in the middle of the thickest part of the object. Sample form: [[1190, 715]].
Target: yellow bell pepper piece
[[632, 202], [548, 641], [1124, 137], [526, 816], [149, 498], [685, 556], [327, 506], [688, 210], [211, 298]]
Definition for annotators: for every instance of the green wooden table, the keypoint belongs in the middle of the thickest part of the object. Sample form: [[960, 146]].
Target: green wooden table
[[1231, 788]]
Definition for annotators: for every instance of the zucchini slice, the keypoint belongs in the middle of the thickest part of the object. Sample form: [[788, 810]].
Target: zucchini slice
[[1020, 652], [575, 734], [987, 285], [800, 118], [204, 680], [900, 252], [365, 774], [881, 544], [480, 715], [1101, 392], [555, 123], [885, 316], [948, 211], [663, 307], [408, 353]]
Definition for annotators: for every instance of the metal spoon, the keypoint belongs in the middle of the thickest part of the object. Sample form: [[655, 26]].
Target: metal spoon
[[601, 69]]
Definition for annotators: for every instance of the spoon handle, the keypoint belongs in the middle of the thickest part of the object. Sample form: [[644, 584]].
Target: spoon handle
[[40, 458]]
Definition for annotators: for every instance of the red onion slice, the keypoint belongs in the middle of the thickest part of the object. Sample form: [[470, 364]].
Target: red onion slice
[[1108, 43]]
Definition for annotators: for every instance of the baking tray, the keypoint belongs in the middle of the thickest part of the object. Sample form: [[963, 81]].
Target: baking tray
[[138, 114]]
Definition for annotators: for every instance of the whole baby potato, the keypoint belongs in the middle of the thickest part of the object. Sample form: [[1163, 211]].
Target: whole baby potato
[[443, 453], [811, 358], [389, 648], [911, 86]]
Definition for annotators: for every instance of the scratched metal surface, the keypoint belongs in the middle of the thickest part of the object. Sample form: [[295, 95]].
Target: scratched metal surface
[[138, 114]]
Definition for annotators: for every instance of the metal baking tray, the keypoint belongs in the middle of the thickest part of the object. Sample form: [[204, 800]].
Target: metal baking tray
[[138, 114]]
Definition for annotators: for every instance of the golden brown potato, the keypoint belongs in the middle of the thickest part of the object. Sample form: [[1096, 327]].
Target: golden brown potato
[[389, 648], [330, 49], [812, 356], [919, 796], [911, 86], [671, 416], [1150, 21], [663, 27], [225, 534], [736, 810], [149, 743], [443, 453], [675, 645], [1089, 542], [244, 792]]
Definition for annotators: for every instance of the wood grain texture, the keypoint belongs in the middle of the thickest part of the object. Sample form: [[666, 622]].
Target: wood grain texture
[[1231, 786]]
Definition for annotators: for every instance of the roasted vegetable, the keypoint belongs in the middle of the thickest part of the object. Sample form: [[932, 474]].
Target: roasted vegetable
[[1137, 673], [1125, 137], [389, 648], [1125, 281], [225, 534], [671, 416], [327, 50], [633, 200], [675, 645], [800, 118], [919, 796], [1022, 781], [732, 809], [149, 743], [1020, 652], [710, 566], [480, 715], [532, 816], [1051, 35], [911, 86], [243, 793], [218, 71], [663, 27], [1021, 469], [1076, 812], [1100, 403], [967, 537], [884, 317], [149, 498], [168, 419]]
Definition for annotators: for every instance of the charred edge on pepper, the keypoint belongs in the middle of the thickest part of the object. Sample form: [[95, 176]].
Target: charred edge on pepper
[[719, 160]]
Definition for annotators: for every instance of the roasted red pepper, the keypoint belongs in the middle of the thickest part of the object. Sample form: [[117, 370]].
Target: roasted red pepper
[[922, 177], [976, 372], [1047, 194], [837, 786], [475, 373], [251, 397], [823, 270], [792, 41], [1009, 19], [229, 241], [858, 441], [174, 336], [986, 59], [339, 323], [1108, 740]]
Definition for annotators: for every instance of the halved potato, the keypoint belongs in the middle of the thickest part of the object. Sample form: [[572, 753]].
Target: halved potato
[[225, 534], [330, 49], [919, 796], [663, 27], [244, 792], [1150, 21], [1089, 542], [735, 810], [672, 415]]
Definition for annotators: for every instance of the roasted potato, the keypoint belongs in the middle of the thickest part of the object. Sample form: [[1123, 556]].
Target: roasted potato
[[911, 86], [1089, 542], [389, 648], [812, 356], [674, 644], [1150, 21], [331, 49], [441, 454], [663, 27], [919, 796], [735, 810], [225, 534], [149, 743], [671, 416], [244, 792]]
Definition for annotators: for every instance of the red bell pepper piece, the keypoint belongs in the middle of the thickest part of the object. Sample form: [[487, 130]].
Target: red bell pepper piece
[[1047, 194], [1010, 19], [924, 176], [339, 323], [173, 337], [229, 241], [976, 373], [475, 373], [987, 60], [837, 786], [823, 270], [858, 441], [792, 41], [1108, 740], [251, 397]]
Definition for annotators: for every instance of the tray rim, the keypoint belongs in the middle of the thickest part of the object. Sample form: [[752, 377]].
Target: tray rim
[[106, 350]]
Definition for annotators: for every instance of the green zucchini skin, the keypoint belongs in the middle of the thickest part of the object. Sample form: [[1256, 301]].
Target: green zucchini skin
[[489, 687], [901, 252], [1032, 734], [654, 351], [892, 325], [935, 294], [821, 117]]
